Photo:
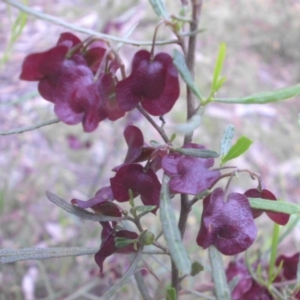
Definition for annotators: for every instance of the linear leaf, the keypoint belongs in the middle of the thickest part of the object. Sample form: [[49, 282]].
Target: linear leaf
[[216, 84], [203, 153], [160, 8], [12, 255], [171, 232], [227, 139], [279, 206], [220, 83], [266, 97], [240, 147], [131, 270], [77, 211], [218, 274], [144, 208], [180, 64]]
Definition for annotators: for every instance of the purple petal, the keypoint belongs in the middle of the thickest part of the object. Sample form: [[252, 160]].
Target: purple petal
[[227, 224]]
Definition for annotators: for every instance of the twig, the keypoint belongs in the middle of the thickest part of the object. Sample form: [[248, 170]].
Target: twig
[[29, 128], [190, 60], [65, 24], [159, 129]]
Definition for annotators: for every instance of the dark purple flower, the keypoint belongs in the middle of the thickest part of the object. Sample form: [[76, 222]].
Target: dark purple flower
[[290, 264], [137, 150], [142, 182], [107, 94], [277, 217], [66, 78], [189, 174], [153, 82], [108, 247], [226, 223], [245, 280], [247, 288], [101, 203], [257, 292]]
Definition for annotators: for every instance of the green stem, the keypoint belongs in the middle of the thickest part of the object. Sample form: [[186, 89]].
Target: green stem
[[29, 128], [275, 239], [70, 26]]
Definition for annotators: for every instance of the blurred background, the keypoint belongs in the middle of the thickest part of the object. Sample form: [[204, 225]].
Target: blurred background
[[263, 42]]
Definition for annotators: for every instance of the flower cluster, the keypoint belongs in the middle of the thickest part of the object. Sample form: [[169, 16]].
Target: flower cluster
[[248, 289], [227, 221], [80, 79]]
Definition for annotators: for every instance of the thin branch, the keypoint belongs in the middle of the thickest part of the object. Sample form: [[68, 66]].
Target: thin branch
[[159, 129], [190, 60], [29, 128], [70, 26]]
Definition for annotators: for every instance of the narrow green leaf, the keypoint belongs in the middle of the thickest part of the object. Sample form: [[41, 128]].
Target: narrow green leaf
[[266, 97], [180, 64], [144, 208], [218, 68], [227, 140], [160, 8], [12, 255], [240, 147], [121, 242], [274, 246], [77, 211], [279, 206], [220, 83], [171, 232], [221, 287], [171, 294], [203, 153], [131, 270]]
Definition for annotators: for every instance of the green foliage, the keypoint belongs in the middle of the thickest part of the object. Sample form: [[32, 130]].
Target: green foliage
[[203, 153], [266, 97], [227, 140], [160, 8], [218, 274], [240, 147], [279, 206], [171, 232], [180, 64], [217, 80]]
